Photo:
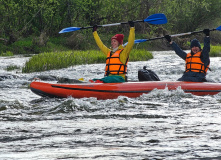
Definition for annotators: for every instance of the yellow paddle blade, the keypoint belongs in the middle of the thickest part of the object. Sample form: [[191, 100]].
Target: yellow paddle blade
[[81, 79]]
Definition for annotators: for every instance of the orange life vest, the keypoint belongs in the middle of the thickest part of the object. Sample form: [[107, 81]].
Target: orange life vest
[[114, 65], [194, 63]]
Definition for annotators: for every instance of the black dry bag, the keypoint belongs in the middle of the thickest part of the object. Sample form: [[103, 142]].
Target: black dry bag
[[147, 75]]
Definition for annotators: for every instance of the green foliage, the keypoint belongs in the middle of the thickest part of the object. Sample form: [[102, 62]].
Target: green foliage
[[27, 17], [30, 18], [54, 60], [28, 46], [7, 53], [140, 55], [188, 15], [215, 51]]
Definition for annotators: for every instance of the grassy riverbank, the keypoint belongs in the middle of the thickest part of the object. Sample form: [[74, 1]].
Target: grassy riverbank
[[57, 60], [33, 45]]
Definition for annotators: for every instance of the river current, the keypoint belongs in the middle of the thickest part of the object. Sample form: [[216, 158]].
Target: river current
[[160, 125]]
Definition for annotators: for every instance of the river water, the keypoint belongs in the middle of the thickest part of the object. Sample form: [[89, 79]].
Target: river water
[[160, 125]]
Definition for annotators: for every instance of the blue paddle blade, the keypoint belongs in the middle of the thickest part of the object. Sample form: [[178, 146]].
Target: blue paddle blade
[[69, 29], [140, 40], [158, 18], [125, 44], [136, 41], [218, 28]]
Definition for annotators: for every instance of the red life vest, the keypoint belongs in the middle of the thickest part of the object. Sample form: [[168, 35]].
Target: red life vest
[[194, 63], [113, 64]]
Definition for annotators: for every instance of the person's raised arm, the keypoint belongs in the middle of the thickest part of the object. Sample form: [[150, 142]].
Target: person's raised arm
[[176, 48], [125, 53], [100, 44]]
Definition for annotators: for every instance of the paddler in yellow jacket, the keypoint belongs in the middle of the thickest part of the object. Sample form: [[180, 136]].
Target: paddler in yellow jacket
[[117, 56]]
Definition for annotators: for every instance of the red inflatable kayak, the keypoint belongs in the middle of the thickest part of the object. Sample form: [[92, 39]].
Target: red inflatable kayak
[[113, 90]]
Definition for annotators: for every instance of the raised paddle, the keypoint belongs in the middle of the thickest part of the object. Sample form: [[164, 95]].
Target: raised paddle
[[158, 18], [175, 35]]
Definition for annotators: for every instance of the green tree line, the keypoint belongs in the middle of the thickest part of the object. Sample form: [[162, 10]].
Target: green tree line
[[25, 18]]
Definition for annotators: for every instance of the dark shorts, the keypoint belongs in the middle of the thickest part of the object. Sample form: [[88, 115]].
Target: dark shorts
[[193, 77]]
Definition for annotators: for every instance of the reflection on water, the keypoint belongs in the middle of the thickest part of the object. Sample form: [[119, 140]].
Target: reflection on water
[[160, 125]]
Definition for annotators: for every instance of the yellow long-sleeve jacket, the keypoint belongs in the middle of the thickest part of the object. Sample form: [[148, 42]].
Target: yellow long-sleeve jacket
[[125, 53]]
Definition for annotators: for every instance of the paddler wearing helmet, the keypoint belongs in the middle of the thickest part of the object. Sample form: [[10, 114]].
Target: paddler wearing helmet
[[197, 61], [117, 56]]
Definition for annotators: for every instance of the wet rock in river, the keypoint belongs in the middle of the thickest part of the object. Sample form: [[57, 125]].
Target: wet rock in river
[[44, 78], [67, 80], [7, 76]]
